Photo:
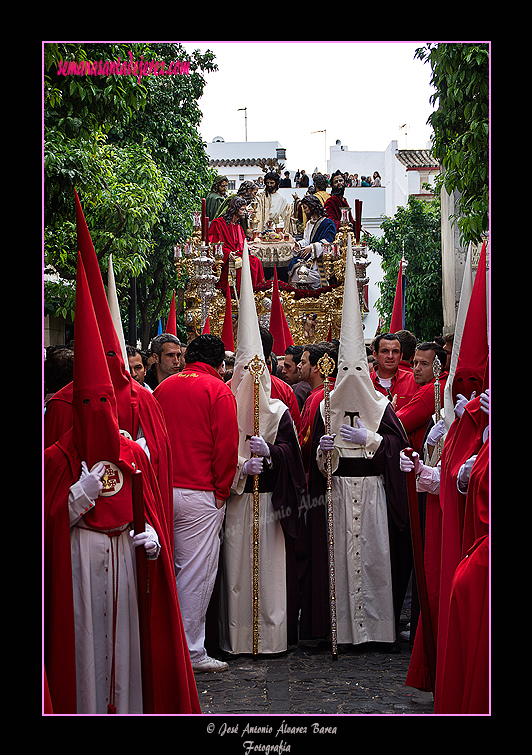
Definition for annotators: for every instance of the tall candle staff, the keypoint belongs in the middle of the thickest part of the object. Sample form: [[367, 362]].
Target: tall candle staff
[[326, 366], [256, 368]]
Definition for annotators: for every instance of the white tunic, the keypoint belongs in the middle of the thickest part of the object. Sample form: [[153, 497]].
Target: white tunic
[[273, 207], [236, 606], [94, 566], [363, 578], [103, 567]]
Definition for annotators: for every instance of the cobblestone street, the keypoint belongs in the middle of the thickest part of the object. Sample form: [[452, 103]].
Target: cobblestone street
[[306, 680]]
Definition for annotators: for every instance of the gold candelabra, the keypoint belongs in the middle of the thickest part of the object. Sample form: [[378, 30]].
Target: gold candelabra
[[201, 262]]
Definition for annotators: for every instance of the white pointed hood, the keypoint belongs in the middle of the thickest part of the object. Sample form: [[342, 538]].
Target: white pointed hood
[[463, 305], [354, 390], [112, 298], [249, 345]]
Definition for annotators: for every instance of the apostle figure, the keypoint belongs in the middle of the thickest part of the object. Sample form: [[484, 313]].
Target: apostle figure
[[308, 252], [216, 196], [228, 229], [333, 205], [368, 493], [247, 190], [274, 456], [93, 651], [319, 190], [272, 206]]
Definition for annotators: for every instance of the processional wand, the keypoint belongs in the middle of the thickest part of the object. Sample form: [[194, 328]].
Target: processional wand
[[256, 368], [326, 367], [438, 448]]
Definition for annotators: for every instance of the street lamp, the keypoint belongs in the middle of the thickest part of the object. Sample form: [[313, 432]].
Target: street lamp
[[245, 119], [405, 126]]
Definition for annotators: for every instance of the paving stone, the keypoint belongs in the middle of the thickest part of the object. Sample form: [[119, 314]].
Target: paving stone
[[306, 680]]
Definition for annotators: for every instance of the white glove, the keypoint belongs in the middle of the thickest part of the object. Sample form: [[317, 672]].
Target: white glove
[[91, 482], [461, 401], [413, 464], [253, 466], [147, 539], [327, 442], [485, 401], [463, 475], [257, 445], [436, 433], [357, 435]]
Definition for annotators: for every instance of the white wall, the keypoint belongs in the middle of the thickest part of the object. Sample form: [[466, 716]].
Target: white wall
[[363, 163]]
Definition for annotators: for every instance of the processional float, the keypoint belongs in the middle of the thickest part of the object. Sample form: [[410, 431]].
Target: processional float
[[313, 315]]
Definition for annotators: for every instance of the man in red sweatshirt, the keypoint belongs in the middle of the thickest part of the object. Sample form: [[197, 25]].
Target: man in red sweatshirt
[[200, 412], [388, 377], [416, 415]]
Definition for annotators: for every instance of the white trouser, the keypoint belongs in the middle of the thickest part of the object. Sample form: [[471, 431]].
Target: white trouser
[[197, 524]]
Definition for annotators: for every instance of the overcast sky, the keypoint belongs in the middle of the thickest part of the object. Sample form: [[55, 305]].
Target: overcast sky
[[358, 92]]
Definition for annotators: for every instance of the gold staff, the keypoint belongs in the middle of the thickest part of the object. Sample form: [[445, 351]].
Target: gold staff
[[256, 368], [326, 367], [437, 449]]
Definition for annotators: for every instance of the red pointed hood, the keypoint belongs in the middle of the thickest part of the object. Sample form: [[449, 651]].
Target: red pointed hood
[[171, 325], [279, 328], [473, 355], [121, 379], [96, 432], [227, 330], [397, 322]]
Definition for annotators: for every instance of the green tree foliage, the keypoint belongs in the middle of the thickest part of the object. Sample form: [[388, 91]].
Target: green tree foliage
[[129, 145], [460, 76], [416, 229], [167, 126]]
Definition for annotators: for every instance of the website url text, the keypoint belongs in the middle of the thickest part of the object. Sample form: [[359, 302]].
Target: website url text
[[123, 68]]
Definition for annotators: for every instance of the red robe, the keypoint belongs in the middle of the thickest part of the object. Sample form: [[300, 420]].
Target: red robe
[[146, 412], [403, 386], [463, 683], [416, 415], [200, 411], [285, 393], [233, 236], [443, 536], [308, 414], [173, 679], [333, 209]]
